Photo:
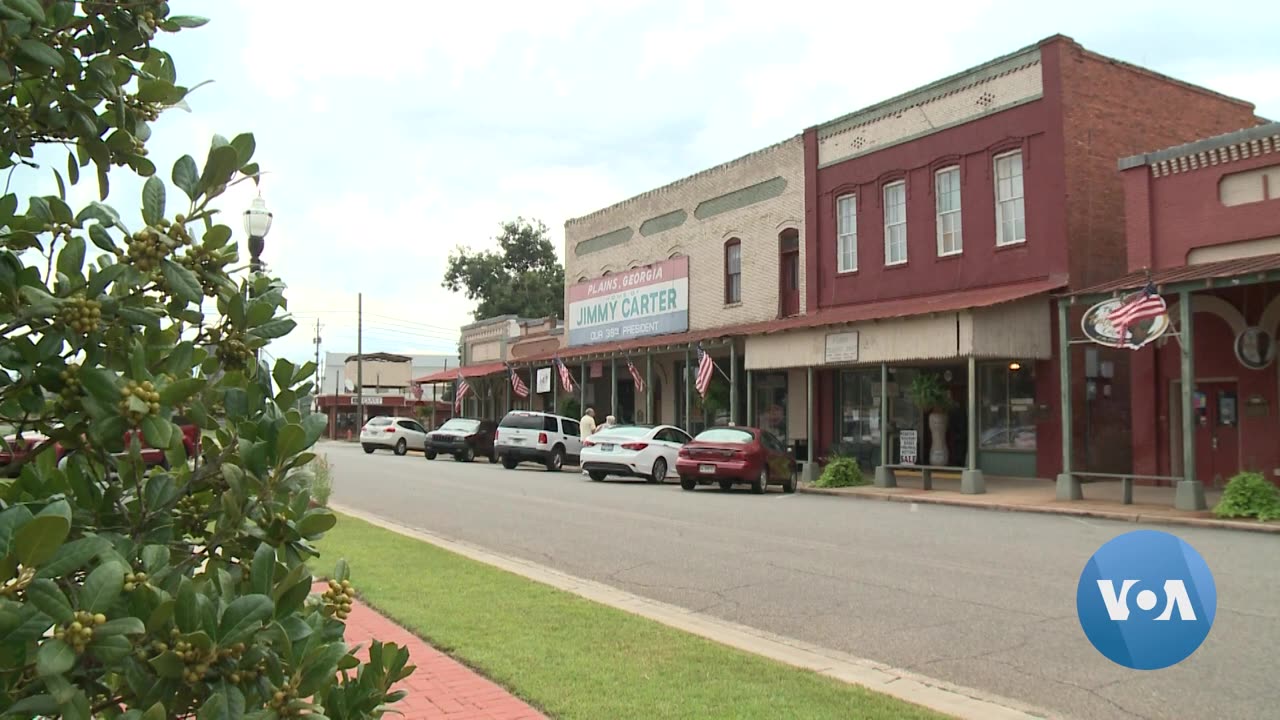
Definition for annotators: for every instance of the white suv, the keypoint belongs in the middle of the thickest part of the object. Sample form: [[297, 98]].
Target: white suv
[[397, 433], [527, 436]]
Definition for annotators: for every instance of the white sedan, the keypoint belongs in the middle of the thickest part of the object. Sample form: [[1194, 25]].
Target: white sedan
[[641, 451], [399, 434]]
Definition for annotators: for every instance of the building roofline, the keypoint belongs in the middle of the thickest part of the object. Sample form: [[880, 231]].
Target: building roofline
[[794, 139], [1198, 146], [491, 321]]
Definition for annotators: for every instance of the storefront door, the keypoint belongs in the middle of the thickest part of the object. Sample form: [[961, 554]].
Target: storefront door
[[769, 406], [1217, 416]]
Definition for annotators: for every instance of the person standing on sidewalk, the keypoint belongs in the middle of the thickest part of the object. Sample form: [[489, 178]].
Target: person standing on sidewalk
[[588, 422]]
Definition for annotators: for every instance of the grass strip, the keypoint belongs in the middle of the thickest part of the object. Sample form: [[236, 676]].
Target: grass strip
[[576, 659]]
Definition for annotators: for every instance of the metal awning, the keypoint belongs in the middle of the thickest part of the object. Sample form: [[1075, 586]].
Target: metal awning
[[468, 371], [1226, 273]]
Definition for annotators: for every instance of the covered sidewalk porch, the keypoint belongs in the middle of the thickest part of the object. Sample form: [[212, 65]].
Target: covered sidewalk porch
[[482, 400], [1188, 291]]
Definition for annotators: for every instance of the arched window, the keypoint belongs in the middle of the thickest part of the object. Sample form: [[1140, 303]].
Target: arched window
[[733, 271], [789, 272]]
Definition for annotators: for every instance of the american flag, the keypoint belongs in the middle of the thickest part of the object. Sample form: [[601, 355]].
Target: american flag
[[635, 376], [416, 389], [706, 368], [459, 391], [517, 384], [1142, 306], [566, 378]]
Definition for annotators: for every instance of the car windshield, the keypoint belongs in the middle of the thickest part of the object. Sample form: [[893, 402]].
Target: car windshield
[[724, 435], [522, 421], [461, 425], [380, 421], [624, 431]]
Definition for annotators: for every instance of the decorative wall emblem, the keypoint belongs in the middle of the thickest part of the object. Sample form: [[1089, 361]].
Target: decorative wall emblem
[[1097, 326], [1255, 348]]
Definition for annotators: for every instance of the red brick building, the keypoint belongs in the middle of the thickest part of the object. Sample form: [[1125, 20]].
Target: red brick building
[[1203, 225], [937, 224]]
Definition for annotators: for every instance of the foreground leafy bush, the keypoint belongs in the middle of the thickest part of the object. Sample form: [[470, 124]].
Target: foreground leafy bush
[[1249, 495], [126, 590], [321, 481], [841, 472]]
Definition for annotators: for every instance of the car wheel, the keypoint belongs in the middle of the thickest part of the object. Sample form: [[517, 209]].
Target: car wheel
[[688, 483], [508, 463], [468, 455], [368, 449], [659, 474], [760, 485], [431, 454], [597, 475], [493, 457], [556, 461], [789, 485], [402, 447], [726, 485]]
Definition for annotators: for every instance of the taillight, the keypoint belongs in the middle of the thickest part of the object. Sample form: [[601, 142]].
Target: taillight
[[683, 452], [495, 432], [634, 446], [390, 430], [588, 443], [542, 438]]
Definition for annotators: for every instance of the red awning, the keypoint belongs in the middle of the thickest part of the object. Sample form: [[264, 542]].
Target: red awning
[[882, 310], [1222, 270], [468, 371]]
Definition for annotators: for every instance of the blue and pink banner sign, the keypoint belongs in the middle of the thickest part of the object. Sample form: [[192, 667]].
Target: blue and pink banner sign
[[651, 300]]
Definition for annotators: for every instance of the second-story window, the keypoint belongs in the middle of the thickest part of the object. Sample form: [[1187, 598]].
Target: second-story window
[[733, 271], [847, 233], [947, 190], [895, 223], [1011, 222]]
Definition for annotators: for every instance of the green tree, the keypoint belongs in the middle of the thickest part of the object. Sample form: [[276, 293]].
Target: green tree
[[523, 277], [128, 589]]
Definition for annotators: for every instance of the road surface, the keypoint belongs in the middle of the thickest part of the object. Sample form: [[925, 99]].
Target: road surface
[[977, 598]]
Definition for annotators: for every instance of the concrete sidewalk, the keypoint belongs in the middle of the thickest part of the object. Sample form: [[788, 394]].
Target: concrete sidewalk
[[1101, 500]]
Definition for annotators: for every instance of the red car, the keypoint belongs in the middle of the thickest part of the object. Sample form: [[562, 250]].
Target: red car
[[150, 456], [736, 455]]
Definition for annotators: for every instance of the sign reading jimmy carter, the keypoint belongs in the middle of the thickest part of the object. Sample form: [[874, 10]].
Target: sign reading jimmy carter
[[652, 300]]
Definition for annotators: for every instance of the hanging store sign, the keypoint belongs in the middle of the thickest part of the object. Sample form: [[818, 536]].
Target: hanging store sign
[[544, 380], [841, 347], [1097, 326], [652, 300]]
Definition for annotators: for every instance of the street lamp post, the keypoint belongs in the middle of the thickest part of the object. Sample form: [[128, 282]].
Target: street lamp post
[[257, 221]]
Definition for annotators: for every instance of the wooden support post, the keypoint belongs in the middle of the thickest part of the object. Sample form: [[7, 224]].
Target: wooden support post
[[971, 480], [1190, 492], [1068, 484]]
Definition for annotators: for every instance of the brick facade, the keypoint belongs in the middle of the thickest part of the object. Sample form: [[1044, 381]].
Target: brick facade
[[631, 234]]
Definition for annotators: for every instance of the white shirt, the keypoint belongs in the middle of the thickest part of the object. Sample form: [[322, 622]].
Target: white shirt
[[588, 424]]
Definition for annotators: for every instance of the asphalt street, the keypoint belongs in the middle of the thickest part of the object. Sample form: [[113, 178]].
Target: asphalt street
[[978, 598]]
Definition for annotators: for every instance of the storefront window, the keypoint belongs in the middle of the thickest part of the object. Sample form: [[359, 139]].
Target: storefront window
[[858, 428], [770, 402], [1006, 406]]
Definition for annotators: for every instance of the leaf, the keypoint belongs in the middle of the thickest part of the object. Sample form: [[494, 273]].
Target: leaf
[[73, 556], [41, 53], [34, 706], [101, 238], [161, 616], [153, 201], [101, 384], [243, 617], [182, 282], [120, 626], [215, 708], [48, 599], [30, 8], [262, 573], [244, 145], [217, 236], [342, 571], [38, 540], [222, 163], [71, 257], [187, 176], [274, 329], [55, 657], [110, 648], [102, 587], [103, 278], [291, 441], [176, 392], [187, 21], [314, 426], [158, 432], [73, 168], [168, 665], [40, 208], [316, 521], [62, 188], [155, 712]]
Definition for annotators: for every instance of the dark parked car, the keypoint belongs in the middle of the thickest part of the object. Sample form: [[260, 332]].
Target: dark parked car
[[736, 455], [464, 439]]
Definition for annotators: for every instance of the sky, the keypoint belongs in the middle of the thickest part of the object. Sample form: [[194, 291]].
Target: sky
[[395, 131]]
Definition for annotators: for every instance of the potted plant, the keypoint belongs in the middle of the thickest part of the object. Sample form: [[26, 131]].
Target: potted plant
[[929, 394]]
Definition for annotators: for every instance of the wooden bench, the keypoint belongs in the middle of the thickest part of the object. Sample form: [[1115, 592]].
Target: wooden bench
[[885, 476], [1075, 490]]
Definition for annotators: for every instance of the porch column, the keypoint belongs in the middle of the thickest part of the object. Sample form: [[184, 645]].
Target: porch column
[[751, 404], [688, 397], [1190, 493], [1068, 484], [506, 396], [971, 480], [809, 473], [648, 389], [733, 382], [613, 388], [884, 473], [582, 387], [555, 406]]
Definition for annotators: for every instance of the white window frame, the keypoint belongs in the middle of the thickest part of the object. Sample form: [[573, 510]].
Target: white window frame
[[957, 228], [847, 237], [1001, 240], [888, 226]]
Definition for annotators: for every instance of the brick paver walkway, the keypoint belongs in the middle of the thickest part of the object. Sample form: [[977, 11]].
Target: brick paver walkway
[[440, 688]]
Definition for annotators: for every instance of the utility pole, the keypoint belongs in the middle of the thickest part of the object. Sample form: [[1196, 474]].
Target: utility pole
[[360, 359], [318, 383]]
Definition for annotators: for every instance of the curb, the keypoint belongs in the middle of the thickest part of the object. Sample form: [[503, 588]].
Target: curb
[[943, 697], [1134, 517]]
